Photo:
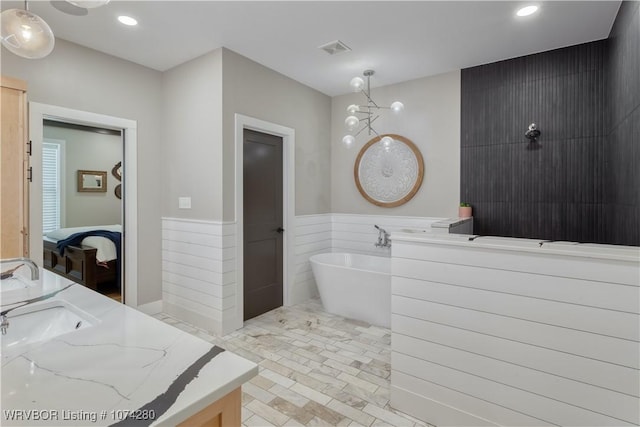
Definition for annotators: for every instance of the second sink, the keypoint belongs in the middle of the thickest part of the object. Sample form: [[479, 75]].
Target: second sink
[[43, 321]]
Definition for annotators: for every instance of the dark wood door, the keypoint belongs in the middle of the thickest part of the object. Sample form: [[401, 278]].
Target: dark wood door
[[263, 234]]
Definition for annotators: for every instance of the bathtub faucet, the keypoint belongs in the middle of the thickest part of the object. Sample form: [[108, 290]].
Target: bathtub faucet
[[383, 238]]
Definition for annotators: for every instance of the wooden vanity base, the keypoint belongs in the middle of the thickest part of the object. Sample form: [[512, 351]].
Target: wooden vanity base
[[224, 412]]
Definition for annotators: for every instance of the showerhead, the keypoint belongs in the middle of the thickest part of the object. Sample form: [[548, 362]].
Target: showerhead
[[533, 133]]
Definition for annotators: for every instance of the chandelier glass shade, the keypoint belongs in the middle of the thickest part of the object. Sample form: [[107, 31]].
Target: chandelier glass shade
[[348, 140], [365, 115], [26, 34], [357, 84]]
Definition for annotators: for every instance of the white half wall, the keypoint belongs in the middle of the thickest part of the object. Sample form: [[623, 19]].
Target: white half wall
[[511, 335], [354, 233], [199, 268], [199, 264], [199, 272]]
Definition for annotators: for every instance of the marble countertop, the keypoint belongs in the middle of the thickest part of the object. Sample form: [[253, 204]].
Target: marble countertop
[[123, 364]]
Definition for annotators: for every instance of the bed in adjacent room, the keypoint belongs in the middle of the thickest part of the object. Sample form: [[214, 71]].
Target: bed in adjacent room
[[89, 259]]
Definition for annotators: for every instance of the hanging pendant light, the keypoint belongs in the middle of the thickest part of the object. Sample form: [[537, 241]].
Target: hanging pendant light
[[368, 113], [26, 34]]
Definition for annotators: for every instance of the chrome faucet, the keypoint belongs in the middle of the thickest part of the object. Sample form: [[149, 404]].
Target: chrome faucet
[[4, 325], [383, 238], [35, 273]]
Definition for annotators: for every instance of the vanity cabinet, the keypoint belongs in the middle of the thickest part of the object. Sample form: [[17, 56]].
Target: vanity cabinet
[[221, 413], [14, 200]]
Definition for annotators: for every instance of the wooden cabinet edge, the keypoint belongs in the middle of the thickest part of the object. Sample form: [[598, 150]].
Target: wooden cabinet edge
[[20, 87], [221, 413], [13, 83]]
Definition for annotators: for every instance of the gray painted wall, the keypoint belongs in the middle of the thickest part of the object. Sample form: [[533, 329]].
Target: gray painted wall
[[257, 91], [192, 138], [84, 79], [431, 120], [200, 100], [94, 151]]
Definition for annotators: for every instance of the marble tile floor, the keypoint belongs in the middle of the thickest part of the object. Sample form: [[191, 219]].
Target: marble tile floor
[[316, 369]]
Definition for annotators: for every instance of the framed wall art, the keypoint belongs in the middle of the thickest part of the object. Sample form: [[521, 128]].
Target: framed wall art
[[389, 170], [92, 181]]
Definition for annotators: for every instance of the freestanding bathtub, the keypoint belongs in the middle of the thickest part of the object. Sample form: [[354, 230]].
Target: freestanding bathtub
[[355, 286]]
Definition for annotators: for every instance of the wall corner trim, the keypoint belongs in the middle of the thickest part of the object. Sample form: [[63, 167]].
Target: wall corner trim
[[151, 308]]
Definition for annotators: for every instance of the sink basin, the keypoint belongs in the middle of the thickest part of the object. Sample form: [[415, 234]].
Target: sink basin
[[43, 321]]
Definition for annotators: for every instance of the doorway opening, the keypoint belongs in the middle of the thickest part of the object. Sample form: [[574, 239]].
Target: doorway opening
[[81, 197], [262, 227], [287, 136], [88, 180]]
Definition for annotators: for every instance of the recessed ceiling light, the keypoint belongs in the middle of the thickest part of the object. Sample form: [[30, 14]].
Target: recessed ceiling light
[[527, 10], [127, 20]]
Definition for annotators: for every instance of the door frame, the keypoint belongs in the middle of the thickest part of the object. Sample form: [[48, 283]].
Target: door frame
[[287, 134], [37, 114]]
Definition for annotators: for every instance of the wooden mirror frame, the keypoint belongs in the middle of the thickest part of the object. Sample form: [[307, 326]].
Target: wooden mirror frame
[[416, 185], [83, 189], [116, 171]]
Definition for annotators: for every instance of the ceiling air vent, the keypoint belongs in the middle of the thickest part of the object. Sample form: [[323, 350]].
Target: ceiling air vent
[[334, 47]]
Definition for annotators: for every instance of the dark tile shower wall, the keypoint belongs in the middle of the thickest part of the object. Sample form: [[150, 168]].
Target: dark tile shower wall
[[622, 153], [568, 185], [550, 190]]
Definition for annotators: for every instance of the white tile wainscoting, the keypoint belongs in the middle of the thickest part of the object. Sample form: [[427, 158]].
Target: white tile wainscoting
[[353, 233], [482, 334], [199, 272], [199, 260], [496, 334]]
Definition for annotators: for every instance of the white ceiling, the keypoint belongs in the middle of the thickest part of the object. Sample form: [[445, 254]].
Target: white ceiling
[[399, 40]]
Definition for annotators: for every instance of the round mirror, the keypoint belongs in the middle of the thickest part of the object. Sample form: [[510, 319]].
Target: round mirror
[[389, 170]]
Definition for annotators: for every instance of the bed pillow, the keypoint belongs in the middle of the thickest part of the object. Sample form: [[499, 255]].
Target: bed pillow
[[63, 233]]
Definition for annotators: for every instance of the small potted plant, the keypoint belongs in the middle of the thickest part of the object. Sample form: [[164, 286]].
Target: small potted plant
[[464, 211]]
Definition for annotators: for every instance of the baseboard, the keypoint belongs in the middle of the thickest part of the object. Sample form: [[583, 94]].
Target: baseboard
[[151, 308], [433, 412]]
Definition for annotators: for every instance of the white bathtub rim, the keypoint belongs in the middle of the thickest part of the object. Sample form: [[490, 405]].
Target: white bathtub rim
[[312, 260]]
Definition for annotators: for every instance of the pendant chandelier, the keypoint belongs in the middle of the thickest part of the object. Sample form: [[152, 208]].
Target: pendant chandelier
[[367, 113], [27, 35]]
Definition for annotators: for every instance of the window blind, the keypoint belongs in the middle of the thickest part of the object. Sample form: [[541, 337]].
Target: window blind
[[51, 192]]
